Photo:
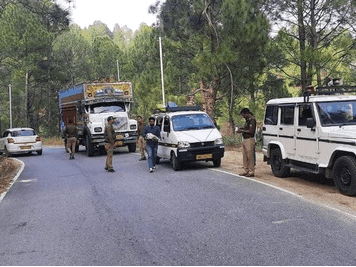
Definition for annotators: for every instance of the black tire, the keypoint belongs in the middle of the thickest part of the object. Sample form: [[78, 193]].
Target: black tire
[[76, 148], [217, 162], [157, 160], [89, 146], [175, 162], [39, 152], [278, 165], [344, 175], [132, 147]]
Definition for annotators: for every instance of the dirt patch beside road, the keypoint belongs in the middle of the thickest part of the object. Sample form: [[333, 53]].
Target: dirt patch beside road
[[8, 171], [311, 187]]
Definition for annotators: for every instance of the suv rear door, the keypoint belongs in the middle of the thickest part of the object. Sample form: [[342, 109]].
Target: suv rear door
[[286, 129]]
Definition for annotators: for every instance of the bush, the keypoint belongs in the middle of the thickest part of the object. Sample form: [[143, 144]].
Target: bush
[[232, 141]]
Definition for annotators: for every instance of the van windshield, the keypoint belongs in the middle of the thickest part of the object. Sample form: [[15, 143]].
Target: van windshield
[[337, 113], [192, 122]]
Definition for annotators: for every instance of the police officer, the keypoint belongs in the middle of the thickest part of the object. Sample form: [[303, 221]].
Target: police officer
[[110, 139], [248, 144], [141, 141], [71, 135]]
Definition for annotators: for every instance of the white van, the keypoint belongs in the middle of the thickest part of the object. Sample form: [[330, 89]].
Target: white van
[[188, 135], [315, 134]]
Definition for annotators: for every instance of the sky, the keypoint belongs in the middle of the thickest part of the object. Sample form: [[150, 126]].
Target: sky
[[123, 12]]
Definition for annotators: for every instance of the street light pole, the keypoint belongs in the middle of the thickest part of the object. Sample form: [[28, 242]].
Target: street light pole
[[10, 106], [161, 60]]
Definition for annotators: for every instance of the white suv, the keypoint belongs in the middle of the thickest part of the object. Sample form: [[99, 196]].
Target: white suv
[[316, 134]]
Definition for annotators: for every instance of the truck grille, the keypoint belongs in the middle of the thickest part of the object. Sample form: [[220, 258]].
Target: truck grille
[[121, 124]]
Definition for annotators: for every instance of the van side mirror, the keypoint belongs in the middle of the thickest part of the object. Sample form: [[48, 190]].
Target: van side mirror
[[310, 123]]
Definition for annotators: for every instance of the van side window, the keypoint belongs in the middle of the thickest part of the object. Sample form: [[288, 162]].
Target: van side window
[[305, 112], [159, 122], [271, 115], [166, 124], [287, 115]]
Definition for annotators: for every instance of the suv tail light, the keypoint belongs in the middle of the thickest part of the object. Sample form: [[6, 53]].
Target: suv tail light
[[10, 140]]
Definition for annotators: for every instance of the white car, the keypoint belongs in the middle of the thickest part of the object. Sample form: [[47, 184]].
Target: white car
[[19, 141]]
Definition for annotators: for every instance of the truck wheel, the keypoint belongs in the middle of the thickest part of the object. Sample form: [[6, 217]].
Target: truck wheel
[[217, 162], [344, 175], [175, 162], [132, 147], [39, 152], [89, 146], [277, 164]]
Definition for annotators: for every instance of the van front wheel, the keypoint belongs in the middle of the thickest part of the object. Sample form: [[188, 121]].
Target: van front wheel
[[175, 162], [277, 164], [217, 162], [344, 175]]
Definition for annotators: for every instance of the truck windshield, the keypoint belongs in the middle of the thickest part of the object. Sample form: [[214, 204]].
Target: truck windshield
[[107, 109], [337, 113], [192, 122]]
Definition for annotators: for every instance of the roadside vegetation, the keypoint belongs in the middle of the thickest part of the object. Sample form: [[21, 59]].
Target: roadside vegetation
[[233, 47]]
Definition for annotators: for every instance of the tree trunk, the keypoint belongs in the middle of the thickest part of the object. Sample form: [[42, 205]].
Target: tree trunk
[[302, 38]]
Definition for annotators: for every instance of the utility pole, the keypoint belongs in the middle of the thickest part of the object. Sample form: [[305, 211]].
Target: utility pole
[[10, 105], [160, 52], [118, 70]]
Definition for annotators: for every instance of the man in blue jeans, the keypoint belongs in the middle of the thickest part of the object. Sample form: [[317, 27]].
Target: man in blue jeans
[[152, 134]]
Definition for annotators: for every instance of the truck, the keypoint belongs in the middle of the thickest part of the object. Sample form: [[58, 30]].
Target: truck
[[89, 105]]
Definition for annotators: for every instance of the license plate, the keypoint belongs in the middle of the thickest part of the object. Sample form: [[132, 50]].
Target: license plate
[[205, 156], [25, 147]]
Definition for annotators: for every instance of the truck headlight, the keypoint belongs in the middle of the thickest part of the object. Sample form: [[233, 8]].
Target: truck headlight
[[183, 144], [132, 127], [98, 129], [219, 141]]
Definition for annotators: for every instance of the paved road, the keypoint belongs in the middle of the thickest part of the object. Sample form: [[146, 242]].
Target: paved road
[[63, 212]]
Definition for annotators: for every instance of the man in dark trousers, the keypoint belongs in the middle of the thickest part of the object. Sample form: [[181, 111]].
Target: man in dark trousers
[[248, 144], [71, 135], [110, 139], [152, 134]]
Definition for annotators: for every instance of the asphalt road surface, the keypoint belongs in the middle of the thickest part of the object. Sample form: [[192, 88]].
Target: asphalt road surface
[[62, 212]]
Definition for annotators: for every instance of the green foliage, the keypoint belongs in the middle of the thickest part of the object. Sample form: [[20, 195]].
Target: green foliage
[[224, 39]]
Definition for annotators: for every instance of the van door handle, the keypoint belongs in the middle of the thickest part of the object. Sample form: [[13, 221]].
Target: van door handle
[[299, 130], [281, 129], [264, 128]]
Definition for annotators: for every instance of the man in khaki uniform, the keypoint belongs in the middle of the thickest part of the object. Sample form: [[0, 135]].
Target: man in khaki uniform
[[248, 144], [71, 135], [110, 139], [141, 141]]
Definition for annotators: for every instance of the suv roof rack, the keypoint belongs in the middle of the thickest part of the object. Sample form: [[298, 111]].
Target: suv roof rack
[[332, 90], [184, 108]]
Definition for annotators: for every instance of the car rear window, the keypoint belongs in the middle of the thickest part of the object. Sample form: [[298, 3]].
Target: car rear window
[[23, 133]]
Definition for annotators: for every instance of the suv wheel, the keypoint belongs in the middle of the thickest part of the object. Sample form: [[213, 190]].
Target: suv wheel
[[344, 174], [277, 164]]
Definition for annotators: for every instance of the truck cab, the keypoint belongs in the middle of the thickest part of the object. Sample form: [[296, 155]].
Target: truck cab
[[188, 134], [90, 104]]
